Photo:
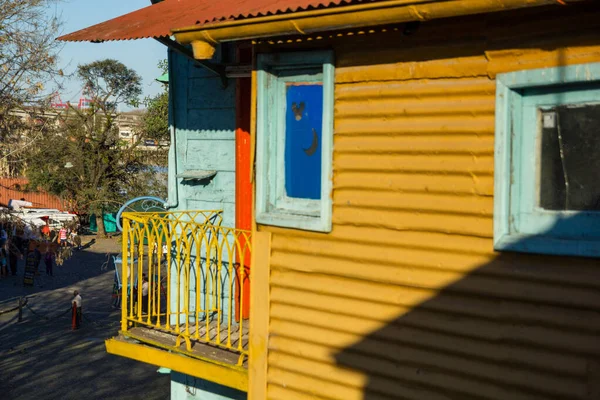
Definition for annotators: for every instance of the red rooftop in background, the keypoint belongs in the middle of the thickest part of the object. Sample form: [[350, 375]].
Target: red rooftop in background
[[159, 19]]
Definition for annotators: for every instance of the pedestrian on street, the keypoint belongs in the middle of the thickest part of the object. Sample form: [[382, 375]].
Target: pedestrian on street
[[49, 260], [38, 257], [3, 262], [62, 236], [14, 254], [145, 287], [77, 310]]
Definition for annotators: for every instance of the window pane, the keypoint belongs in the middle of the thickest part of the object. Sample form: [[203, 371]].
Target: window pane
[[570, 158], [303, 122]]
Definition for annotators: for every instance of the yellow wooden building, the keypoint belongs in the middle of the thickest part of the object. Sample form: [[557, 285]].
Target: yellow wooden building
[[425, 198]]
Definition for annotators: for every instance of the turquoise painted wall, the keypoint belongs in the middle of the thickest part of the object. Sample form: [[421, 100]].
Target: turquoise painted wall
[[184, 387], [203, 116]]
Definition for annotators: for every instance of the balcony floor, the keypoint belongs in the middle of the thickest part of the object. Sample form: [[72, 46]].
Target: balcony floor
[[199, 349]]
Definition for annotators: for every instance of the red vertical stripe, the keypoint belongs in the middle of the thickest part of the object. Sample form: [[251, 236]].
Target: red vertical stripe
[[243, 184]]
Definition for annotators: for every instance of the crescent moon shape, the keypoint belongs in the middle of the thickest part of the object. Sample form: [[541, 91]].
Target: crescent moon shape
[[315, 144]]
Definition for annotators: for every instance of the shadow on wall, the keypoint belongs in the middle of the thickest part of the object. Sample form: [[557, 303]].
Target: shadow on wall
[[519, 327]]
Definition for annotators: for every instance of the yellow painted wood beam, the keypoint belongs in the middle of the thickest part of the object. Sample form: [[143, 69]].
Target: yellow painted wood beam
[[203, 38], [259, 315], [223, 375]]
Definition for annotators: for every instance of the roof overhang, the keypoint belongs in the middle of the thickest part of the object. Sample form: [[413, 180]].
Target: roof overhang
[[158, 20], [205, 23], [203, 38]]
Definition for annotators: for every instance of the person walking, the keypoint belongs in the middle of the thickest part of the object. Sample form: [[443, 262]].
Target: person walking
[[62, 236], [14, 254], [49, 260], [3, 262], [38, 257], [77, 314]]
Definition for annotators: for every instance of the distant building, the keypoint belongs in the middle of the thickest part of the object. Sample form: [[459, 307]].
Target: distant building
[[33, 120]]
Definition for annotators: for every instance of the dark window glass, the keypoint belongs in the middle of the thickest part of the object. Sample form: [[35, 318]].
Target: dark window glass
[[570, 158]]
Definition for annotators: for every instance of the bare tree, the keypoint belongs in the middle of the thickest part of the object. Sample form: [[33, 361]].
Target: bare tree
[[28, 64]]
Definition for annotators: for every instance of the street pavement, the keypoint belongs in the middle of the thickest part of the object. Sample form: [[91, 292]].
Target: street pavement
[[42, 358]]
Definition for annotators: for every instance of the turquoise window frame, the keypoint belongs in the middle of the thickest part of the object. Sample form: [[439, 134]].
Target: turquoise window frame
[[519, 225], [273, 207]]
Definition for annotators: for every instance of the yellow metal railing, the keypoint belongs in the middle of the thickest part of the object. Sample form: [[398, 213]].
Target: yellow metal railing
[[190, 278]]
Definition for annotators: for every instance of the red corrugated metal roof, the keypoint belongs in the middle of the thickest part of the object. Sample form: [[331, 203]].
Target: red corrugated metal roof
[[13, 188], [158, 19]]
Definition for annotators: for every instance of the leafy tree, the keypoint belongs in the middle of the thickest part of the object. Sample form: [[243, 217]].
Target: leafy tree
[[28, 64], [155, 122], [85, 161]]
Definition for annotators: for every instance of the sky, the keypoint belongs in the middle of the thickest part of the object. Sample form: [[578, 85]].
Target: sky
[[140, 55]]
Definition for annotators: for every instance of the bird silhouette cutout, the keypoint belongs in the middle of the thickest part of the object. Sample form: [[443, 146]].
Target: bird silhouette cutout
[[314, 145], [298, 110]]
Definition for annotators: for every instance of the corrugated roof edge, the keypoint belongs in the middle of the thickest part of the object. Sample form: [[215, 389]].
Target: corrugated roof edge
[[102, 32]]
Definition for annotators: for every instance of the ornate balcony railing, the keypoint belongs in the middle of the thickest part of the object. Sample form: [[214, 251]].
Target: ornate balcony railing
[[186, 281]]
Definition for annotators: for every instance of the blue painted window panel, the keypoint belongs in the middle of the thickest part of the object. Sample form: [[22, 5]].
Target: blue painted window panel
[[303, 126], [294, 139]]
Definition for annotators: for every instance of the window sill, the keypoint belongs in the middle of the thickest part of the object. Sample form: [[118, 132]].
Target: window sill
[[296, 221], [538, 244]]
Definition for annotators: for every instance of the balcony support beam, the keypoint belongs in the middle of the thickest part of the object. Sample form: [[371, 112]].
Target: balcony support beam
[[224, 375]]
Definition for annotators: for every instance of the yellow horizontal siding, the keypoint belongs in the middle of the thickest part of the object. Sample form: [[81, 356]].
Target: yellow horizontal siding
[[458, 164], [387, 200], [406, 298], [411, 221], [439, 90], [425, 125], [448, 376], [451, 368], [405, 238], [443, 144], [416, 182], [465, 348], [539, 271]]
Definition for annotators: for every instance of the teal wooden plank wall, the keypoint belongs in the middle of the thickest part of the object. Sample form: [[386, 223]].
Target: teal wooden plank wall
[[204, 120]]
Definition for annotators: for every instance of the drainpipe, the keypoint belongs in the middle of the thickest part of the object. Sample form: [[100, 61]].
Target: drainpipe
[[204, 38], [173, 190]]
